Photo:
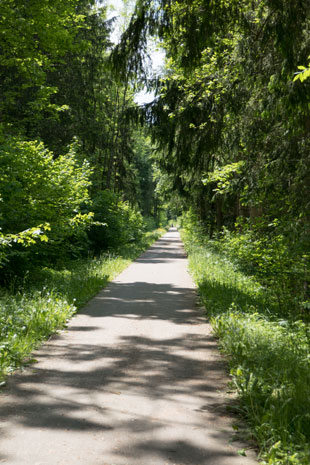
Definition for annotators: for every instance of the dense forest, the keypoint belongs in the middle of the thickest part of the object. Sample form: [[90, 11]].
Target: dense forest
[[224, 146], [75, 164]]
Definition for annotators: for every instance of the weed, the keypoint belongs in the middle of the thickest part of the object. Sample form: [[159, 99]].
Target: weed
[[269, 352]]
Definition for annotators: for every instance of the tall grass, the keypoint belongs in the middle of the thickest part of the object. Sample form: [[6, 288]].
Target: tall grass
[[269, 354], [49, 297]]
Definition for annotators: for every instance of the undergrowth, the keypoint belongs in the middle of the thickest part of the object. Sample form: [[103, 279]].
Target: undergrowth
[[269, 353], [44, 303]]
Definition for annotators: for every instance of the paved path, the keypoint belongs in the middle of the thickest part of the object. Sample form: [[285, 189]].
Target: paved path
[[134, 381]]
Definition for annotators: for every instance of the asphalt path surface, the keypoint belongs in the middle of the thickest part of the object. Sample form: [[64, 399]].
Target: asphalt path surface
[[135, 380]]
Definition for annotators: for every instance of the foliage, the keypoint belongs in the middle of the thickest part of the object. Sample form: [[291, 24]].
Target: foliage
[[227, 99], [37, 189], [60, 91], [144, 193], [268, 351], [100, 112], [270, 370], [223, 176], [119, 223], [34, 38], [34, 186], [150, 223], [261, 249], [302, 74], [26, 238], [26, 320]]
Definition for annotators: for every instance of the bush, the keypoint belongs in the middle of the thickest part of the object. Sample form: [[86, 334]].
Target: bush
[[37, 189], [150, 223], [120, 223], [262, 249], [192, 226]]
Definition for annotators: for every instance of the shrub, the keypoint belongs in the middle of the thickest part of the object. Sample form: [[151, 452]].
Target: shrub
[[120, 223], [37, 189], [261, 248]]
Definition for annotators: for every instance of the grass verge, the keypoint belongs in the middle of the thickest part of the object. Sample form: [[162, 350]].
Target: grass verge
[[269, 355], [48, 301]]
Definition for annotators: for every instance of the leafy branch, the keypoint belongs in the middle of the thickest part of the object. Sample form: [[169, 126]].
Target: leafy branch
[[303, 73]]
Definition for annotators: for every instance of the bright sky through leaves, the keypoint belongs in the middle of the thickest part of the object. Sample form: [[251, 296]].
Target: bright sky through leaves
[[115, 8]]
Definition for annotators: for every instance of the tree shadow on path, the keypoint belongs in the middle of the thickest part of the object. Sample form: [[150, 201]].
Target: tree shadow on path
[[135, 381]]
